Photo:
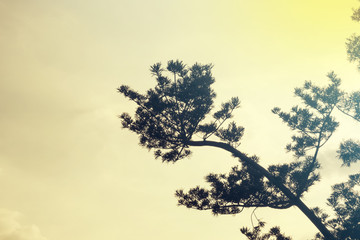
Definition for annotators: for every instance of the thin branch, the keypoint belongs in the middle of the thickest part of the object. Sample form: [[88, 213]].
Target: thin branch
[[346, 113], [225, 119]]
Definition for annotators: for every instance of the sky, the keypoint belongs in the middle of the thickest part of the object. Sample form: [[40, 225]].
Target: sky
[[67, 168]]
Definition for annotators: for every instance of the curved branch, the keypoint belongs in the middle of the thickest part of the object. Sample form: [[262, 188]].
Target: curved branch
[[293, 199]]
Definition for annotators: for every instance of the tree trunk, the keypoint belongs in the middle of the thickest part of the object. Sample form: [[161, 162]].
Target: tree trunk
[[295, 200]]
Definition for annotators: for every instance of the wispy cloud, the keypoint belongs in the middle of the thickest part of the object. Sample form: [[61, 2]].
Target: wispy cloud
[[12, 229]]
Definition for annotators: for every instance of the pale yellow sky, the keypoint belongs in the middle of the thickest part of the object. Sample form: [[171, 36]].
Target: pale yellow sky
[[68, 170]]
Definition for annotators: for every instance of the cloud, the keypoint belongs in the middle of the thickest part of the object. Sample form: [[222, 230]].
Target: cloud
[[12, 229]]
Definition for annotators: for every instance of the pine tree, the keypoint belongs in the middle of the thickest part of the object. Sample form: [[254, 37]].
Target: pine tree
[[179, 106], [170, 116]]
